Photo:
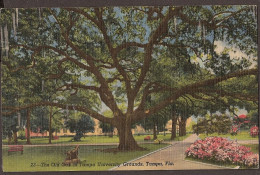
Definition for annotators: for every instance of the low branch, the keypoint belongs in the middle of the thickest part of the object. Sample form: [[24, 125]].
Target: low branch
[[229, 16], [90, 112], [73, 86], [106, 93], [161, 29], [127, 45], [180, 46], [61, 70], [35, 51], [139, 113], [156, 87], [239, 96]]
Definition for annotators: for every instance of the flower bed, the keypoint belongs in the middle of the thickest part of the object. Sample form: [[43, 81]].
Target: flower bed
[[220, 149]]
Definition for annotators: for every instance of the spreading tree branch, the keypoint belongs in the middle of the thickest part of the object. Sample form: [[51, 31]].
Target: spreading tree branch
[[139, 113], [90, 112]]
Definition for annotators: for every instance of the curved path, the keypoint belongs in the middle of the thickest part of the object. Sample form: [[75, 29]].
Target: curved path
[[173, 154]]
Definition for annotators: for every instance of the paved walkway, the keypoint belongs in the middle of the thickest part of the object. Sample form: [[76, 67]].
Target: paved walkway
[[171, 158], [248, 141]]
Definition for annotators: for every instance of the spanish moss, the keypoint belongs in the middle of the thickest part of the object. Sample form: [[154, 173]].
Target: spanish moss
[[14, 24], [6, 36]]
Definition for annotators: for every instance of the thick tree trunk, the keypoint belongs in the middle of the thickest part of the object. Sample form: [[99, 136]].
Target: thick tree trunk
[[50, 119], [126, 139], [182, 127], [28, 127], [15, 137], [9, 138], [154, 132], [174, 123], [164, 134], [180, 130]]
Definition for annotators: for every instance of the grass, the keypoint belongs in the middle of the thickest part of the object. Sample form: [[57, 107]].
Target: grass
[[224, 164], [34, 157], [167, 137], [92, 139], [243, 135]]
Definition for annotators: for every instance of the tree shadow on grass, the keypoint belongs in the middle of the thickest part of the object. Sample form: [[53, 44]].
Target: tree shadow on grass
[[117, 150]]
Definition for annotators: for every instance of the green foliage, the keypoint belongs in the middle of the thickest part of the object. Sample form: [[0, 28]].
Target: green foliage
[[253, 117], [189, 129], [21, 135], [83, 125], [10, 125], [158, 120], [106, 128], [220, 124], [40, 119]]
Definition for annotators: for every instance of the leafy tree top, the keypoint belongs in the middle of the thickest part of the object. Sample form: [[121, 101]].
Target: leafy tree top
[[116, 55]]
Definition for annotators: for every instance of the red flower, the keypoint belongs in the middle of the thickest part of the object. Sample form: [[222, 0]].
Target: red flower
[[254, 131]]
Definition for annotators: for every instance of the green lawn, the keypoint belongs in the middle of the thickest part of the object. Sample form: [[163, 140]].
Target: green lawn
[[243, 135], [228, 165], [55, 155], [92, 139]]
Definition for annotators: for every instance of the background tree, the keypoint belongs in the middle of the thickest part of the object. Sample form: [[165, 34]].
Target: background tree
[[106, 128], [216, 123], [156, 123], [254, 118], [40, 120], [81, 126], [9, 125]]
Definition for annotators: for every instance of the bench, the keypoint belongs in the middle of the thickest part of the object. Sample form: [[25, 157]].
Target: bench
[[55, 137], [15, 148], [147, 138]]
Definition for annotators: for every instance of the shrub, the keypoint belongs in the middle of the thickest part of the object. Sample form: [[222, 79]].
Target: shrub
[[254, 131], [21, 135], [159, 141], [222, 150], [78, 136], [234, 130], [220, 124], [83, 125]]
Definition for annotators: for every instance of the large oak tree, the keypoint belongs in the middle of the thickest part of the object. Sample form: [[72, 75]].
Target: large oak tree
[[110, 54]]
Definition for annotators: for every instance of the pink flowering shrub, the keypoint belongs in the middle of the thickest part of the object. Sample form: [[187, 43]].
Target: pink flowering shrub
[[222, 150], [234, 130], [254, 131]]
